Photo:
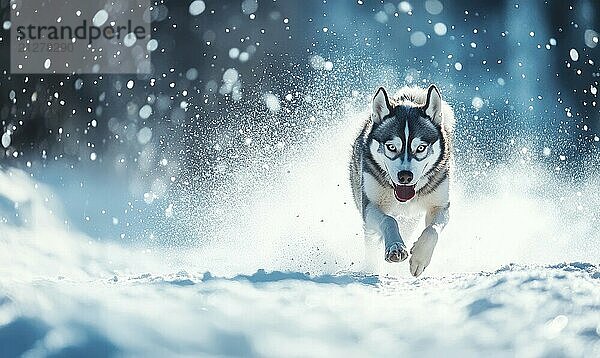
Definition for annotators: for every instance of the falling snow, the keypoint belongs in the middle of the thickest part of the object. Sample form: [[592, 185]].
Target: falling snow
[[142, 189]]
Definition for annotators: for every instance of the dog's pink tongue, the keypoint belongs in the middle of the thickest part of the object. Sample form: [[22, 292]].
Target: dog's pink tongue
[[404, 192]]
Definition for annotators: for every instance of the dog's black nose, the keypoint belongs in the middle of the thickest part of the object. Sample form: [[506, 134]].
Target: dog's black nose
[[405, 177]]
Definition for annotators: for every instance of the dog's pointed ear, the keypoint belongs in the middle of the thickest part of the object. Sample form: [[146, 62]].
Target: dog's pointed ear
[[381, 105], [433, 106]]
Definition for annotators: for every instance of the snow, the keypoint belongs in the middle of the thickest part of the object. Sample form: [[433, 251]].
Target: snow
[[520, 311], [145, 111], [272, 102], [440, 29], [66, 294], [152, 45], [100, 18], [434, 7], [574, 54], [144, 135], [244, 56], [404, 6], [381, 17], [234, 52], [418, 38], [317, 62], [239, 294], [234, 232], [477, 103], [6, 139], [230, 76], [191, 74], [197, 7], [129, 39], [591, 38], [249, 6]]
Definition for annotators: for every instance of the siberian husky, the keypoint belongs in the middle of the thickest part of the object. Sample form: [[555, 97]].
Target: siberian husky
[[400, 168]]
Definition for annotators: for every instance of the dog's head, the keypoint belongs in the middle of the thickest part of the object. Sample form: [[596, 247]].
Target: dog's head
[[405, 140]]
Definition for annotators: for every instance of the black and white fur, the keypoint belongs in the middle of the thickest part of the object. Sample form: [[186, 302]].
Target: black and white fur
[[400, 168]]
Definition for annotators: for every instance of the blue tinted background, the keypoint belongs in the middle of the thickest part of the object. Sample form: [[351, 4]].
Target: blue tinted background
[[521, 75]]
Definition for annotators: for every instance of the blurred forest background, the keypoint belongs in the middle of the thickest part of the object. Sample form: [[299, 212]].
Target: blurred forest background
[[241, 83]]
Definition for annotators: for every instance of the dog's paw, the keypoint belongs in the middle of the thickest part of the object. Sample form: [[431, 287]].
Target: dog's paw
[[421, 252], [396, 252]]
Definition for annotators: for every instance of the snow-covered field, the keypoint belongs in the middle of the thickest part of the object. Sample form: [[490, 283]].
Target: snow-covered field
[[204, 209], [273, 283], [514, 311]]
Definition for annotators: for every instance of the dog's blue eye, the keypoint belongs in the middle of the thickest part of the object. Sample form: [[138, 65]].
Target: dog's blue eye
[[391, 147], [421, 148]]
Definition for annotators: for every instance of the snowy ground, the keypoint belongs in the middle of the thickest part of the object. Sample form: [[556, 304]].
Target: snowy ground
[[64, 294], [286, 280], [514, 311]]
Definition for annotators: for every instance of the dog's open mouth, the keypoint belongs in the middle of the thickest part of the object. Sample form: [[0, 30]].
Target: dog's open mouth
[[404, 193]]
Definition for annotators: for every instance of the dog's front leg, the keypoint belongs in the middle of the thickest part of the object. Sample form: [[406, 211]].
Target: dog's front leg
[[387, 227], [436, 219]]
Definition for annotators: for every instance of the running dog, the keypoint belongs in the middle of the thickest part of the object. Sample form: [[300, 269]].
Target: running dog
[[401, 166]]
